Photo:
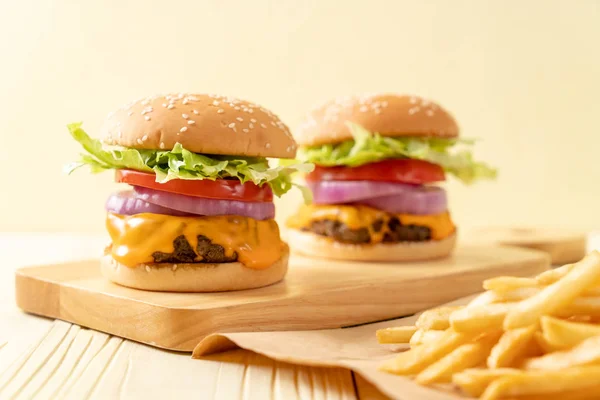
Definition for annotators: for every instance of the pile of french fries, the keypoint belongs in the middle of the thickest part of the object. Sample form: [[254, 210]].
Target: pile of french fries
[[523, 338]]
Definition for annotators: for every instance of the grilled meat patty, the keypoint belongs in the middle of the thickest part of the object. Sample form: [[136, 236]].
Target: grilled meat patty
[[184, 253], [396, 232]]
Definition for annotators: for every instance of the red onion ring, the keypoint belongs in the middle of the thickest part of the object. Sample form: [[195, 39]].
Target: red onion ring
[[126, 203], [397, 198], [204, 206]]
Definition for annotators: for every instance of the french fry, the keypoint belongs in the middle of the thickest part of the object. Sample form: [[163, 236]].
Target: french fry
[[422, 336], [582, 276], [484, 298], [512, 347], [585, 353], [553, 275], [587, 393], [515, 294], [418, 358], [582, 306], [565, 334], [503, 284], [482, 318], [542, 382], [522, 339], [395, 335], [474, 381], [465, 356], [543, 344], [436, 318]]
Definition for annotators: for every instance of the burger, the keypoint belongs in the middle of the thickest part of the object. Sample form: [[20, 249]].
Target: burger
[[379, 160], [198, 214]]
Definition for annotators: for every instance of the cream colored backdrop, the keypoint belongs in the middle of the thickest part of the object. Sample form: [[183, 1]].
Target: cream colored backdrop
[[524, 76]]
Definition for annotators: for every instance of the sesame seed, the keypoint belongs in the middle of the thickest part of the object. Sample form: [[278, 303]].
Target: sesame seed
[[240, 119], [130, 113], [253, 120], [170, 106], [147, 268], [413, 110], [268, 145], [162, 145], [236, 108], [263, 126], [215, 103], [289, 149], [430, 113], [192, 98], [250, 110], [164, 104], [147, 118], [190, 122], [144, 138], [195, 112], [139, 141], [180, 95], [185, 116], [185, 101], [231, 125], [251, 125], [413, 100], [220, 111], [245, 130], [183, 129], [273, 123], [174, 267]]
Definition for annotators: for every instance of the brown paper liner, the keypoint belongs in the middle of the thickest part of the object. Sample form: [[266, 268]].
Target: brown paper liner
[[354, 348]]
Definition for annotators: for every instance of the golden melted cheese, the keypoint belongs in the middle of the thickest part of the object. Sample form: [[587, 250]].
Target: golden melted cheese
[[135, 237], [358, 216]]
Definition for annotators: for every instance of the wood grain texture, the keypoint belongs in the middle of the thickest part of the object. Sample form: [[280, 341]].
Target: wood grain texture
[[316, 294], [69, 362]]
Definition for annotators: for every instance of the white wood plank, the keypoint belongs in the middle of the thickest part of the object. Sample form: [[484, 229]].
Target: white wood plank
[[47, 369], [85, 385], [259, 379], [68, 365], [21, 372], [304, 382], [81, 362], [285, 381]]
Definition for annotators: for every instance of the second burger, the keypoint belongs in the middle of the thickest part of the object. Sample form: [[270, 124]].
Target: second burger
[[378, 158]]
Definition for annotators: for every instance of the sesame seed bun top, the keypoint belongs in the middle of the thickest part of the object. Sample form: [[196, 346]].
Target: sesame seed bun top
[[202, 123], [387, 114]]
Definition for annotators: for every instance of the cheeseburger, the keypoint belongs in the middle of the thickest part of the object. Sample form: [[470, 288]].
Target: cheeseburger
[[378, 161], [198, 212]]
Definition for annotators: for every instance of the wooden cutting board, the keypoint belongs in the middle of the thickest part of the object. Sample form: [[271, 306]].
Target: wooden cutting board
[[563, 245], [316, 294]]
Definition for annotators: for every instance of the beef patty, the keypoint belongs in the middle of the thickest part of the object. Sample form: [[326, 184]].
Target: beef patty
[[184, 253], [396, 232]]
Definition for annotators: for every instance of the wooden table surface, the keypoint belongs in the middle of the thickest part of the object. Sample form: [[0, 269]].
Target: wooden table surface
[[46, 359]]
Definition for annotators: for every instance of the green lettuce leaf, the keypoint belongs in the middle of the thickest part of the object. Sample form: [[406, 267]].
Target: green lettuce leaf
[[180, 163], [368, 147]]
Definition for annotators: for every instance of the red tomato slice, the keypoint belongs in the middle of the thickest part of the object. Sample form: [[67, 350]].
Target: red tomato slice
[[224, 189], [404, 170]]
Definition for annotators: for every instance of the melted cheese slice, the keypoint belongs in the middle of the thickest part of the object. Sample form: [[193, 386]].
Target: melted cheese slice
[[136, 237], [357, 217]]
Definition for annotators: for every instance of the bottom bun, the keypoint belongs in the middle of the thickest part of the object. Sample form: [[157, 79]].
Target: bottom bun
[[319, 246], [194, 277]]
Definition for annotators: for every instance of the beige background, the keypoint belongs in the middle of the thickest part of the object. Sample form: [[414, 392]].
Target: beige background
[[521, 75]]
